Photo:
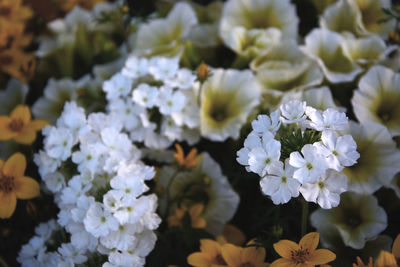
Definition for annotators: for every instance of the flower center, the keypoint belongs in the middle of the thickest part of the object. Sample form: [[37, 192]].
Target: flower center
[[247, 264], [6, 184], [309, 166], [300, 256], [16, 125], [219, 260]]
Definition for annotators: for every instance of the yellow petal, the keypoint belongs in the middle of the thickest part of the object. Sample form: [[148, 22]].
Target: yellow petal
[[8, 202], [396, 247], [5, 132], [310, 241], [1, 165], [234, 235], [199, 259], [385, 259], [210, 246], [21, 112], [321, 256], [196, 210], [26, 137], [253, 254], [38, 124], [282, 262], [26, 188], [231, 254], [285, 247], [15, 166]]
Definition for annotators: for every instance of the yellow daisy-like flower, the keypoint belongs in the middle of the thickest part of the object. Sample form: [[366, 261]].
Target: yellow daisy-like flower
[[14, 185], [303, 254], [19, 126], [195, 213], [248, 256], [360, 263], [13, 10], [210, 254], [188, 162]]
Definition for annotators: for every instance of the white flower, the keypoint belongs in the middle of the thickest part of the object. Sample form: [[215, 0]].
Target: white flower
[[71, 253], [358, 219], [46, 163], [112, 200], [251, 141], [329, 119], [54, 181], [98, 221], [339, 151], [320, 98], [74, 190], [170, 101], [293, 111], [262, 158], [118, 86], [227, 98], [130, 186], [83, 203], [279, 184], [326, 190], [73, 118], [135, 67], [265, 123], [163, 68], [132, 210], [378, 98], [87, 157], [126, 111], [145, 95], [58, 143], [325, 47], [310, 165], [118, 259], [189, 114], [183, 79], [121, 239]]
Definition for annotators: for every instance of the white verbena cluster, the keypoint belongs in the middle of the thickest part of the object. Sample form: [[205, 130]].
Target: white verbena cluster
[[300, 149], [98, 182], [155, 101]]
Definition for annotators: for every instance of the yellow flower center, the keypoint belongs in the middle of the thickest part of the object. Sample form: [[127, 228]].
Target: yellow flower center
[[16, 125], [6, 183], [300, 256]]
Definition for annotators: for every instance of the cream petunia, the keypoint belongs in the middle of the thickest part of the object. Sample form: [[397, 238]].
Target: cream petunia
[[166, 36], [378, 98], [227, 98], [326, 48]]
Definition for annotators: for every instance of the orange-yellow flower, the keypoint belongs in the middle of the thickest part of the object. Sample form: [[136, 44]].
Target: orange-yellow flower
[[251, 256], [387, 259], [195, 216], [188, 162], [303, 254], [13, 10], [68, 5], [210, 254], [19, 126], [13, 184], [360, 263]]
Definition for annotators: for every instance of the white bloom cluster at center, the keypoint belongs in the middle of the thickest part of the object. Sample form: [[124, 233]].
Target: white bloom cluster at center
[[312, 169]]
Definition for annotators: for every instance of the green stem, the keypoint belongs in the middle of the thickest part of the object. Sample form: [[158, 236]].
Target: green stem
[[168, 195], [3, 263], [304, 216]]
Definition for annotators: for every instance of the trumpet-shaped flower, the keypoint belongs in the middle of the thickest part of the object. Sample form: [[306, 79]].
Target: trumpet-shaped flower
[[19, 126], [14, 185], [378, 98], [358, 219], [227, 98], [325, 47]]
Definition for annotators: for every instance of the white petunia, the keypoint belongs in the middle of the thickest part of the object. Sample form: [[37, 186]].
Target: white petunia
[[339, 151], [99, 222], [279, 184], [325, 190], [310, 165], [293, 111]]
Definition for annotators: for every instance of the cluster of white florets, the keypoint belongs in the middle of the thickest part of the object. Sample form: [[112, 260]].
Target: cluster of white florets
[[98, 182], [155, 101], [313, 169]]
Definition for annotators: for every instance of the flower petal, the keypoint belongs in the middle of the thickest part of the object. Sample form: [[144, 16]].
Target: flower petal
[[5, 132], [231, 254], [310, 241], [282, 262], [285, 247], [321, 256], [15, 166], [8, 203], [27, 137], [38, 124], [21, 112], [199, 259], [395, 248], [26, 188]]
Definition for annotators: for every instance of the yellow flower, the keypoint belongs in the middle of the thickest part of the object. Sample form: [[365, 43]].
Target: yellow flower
[[12, 10], [13, 184], [251, 256], [303, 254], [19, 126], [195, 216], [210, 254], [68, 5], [360, 263], [188, 162], [387, 259]]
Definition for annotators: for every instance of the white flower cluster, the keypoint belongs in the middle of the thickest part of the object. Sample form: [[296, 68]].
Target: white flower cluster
[[312, 169], [155, 101], [98, 183]]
